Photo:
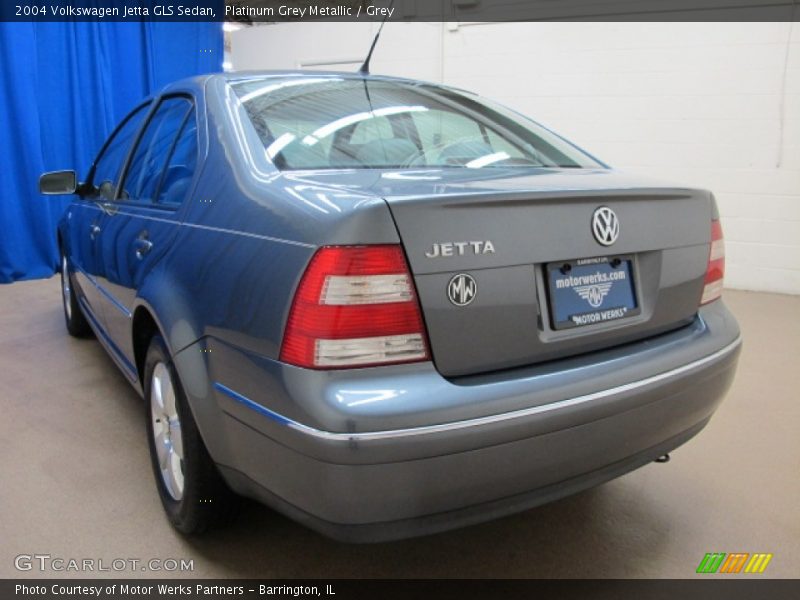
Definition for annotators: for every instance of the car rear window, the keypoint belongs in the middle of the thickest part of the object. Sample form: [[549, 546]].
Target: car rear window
[[334, 123]]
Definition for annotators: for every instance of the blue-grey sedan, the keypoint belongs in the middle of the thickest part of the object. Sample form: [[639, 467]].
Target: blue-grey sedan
[[385, 307]]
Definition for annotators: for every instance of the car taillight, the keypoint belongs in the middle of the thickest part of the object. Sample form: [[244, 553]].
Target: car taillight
[[715, 271], [355, 306]]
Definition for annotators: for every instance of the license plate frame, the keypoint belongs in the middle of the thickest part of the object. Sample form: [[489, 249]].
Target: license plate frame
[[591, 291]]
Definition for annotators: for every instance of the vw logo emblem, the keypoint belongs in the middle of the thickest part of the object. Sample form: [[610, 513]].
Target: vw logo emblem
[[605, 226], [462, 289]]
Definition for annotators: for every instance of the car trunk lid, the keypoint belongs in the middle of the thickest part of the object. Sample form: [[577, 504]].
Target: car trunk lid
[[510, 272]]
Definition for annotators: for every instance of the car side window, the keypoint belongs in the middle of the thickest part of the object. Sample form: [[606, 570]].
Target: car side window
[[108, 165], [177, 177], [153, 150]]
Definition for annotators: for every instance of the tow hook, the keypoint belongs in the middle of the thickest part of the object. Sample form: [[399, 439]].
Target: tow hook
[[663, 459]]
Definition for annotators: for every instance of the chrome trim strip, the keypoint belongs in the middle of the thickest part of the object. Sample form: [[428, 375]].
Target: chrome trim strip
[[116, 355], [254, 405], [117, 304], [525, 412], [114, 302]]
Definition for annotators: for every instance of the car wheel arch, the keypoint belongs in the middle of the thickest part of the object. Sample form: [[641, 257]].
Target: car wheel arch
[[143, 327]]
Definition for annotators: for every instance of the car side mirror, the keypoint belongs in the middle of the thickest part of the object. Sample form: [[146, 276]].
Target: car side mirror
[[58, 182]]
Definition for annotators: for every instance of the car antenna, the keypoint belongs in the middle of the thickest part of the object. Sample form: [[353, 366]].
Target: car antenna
[[364, 70]]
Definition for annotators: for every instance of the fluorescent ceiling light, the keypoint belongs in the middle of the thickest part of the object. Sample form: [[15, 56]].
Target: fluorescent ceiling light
[[487, 160], [279, 144], [277, 86]]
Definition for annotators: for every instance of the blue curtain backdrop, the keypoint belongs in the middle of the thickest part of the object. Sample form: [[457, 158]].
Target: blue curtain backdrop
[[63, 88]]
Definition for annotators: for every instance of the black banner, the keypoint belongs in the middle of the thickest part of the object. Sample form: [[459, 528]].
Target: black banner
[[251, 11], [731, 588]]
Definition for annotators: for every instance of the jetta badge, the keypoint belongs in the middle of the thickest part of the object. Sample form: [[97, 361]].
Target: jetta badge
[[460, 249], [462, 289], [605, 226]]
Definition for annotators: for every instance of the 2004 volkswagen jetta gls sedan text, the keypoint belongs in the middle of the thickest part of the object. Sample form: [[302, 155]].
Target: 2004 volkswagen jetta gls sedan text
[[386, 307]]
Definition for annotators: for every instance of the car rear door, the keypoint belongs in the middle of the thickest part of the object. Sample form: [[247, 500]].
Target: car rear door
[[86, 216], [146, 213]]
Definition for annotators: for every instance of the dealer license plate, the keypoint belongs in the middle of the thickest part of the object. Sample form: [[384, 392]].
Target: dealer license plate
[[588, 291]]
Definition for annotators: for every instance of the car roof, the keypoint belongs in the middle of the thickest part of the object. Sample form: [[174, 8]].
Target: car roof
[[238, 76], [282, 74]]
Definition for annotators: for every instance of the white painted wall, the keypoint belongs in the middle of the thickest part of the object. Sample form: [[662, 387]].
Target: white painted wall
[[715, 105]]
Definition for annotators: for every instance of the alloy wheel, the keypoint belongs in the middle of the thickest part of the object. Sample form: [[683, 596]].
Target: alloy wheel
[[167, 436]]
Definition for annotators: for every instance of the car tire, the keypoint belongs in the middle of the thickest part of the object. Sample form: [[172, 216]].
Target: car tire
[[193, 493], [77, 325]]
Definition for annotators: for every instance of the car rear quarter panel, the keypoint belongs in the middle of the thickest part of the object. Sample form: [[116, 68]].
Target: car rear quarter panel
[[246, 236]]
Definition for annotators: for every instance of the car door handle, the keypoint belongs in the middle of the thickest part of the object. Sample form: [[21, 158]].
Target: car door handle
[[142, 246], [94, 231]]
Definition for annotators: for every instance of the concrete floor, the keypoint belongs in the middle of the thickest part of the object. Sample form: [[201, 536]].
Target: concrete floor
[[76, 480]]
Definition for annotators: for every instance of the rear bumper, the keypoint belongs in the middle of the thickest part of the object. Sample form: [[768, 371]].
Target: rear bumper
[[567, 430], [444, 520]]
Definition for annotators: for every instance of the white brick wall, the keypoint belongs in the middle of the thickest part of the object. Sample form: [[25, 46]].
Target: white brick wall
[[710, 104]]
